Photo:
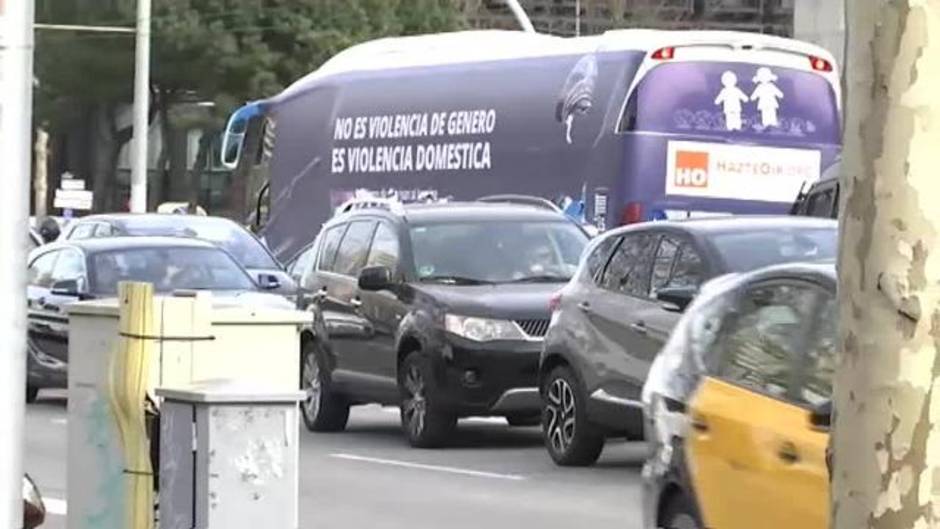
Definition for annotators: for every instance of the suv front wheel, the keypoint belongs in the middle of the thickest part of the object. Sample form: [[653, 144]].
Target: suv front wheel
[[569, 438], [425, 424], [323, 410]]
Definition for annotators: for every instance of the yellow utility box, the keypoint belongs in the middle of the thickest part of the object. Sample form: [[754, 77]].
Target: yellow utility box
[[186, 339]]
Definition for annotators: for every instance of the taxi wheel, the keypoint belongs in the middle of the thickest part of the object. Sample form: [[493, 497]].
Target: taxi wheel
[[679, 514], [569, 438], [323, 410]]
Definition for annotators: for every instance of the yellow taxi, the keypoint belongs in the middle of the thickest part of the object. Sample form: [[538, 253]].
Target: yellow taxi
[[738, 402]]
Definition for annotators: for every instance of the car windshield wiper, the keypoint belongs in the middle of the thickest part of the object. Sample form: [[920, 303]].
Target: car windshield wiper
[[455, 280], [547, 278]]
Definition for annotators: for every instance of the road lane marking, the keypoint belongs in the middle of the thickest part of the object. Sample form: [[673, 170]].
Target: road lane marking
[[433, 468], [55, 506]]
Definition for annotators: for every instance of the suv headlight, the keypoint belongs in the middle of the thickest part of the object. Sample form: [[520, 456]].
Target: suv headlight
[[482, 329]]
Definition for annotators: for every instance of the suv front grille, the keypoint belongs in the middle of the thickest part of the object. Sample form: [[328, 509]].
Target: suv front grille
[[534, 328]]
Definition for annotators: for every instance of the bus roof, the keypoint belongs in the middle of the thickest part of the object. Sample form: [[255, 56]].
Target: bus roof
[[463, 47]]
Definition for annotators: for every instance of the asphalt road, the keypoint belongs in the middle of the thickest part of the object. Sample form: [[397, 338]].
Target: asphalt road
[[492, 477]]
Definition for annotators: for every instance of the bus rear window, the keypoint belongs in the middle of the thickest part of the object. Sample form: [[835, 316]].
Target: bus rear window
[[736, 101]]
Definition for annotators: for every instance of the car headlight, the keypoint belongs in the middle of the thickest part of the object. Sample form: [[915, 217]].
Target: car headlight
[[482, 329]]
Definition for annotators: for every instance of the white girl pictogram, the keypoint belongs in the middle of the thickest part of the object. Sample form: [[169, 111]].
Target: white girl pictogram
[[731, 98], [767, 96]]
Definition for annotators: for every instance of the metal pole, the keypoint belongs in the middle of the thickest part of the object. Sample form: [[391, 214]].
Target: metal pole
[[521, 16], [16, 103], [141, 109], [577, 18]]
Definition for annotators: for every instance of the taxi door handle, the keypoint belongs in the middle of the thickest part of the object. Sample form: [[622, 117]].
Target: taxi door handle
[[355, 303], [699, 424], [788, 453], [640, 327]]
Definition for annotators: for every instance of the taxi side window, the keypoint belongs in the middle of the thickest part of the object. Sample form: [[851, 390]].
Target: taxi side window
[[818, 367], [762, 344]]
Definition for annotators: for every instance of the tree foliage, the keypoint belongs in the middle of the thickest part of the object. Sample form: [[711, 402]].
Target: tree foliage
[[227, 51]]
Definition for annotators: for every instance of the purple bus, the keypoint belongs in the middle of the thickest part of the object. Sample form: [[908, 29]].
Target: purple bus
[[638, 124]]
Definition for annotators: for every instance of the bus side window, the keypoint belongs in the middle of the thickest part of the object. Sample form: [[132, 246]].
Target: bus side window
[[628, 120]]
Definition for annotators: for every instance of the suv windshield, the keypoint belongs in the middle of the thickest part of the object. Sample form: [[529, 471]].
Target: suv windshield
[[749, 250], [168, 269], [246, 249], [497, 251]]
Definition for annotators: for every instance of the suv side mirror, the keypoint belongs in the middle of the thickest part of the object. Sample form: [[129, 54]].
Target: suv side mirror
[[269, 282], [820, 417], [676, 299], [66, 287], [375, 278]]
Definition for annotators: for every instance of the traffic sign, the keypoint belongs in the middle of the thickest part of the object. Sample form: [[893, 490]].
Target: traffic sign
[[73, 184], [73, 199]]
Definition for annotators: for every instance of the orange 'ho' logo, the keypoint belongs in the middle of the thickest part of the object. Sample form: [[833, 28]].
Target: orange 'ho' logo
[[691, 169]]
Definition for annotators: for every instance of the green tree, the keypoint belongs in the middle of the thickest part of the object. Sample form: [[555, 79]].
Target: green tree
[[224, 51]]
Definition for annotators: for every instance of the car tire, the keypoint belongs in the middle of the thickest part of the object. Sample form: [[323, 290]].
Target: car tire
[[32, 393], [522, 421], [423, 421], [679, 514], [570, 439], [323, 409]]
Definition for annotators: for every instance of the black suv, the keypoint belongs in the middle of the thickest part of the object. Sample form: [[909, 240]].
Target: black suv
[[437, 308], [611, 320]]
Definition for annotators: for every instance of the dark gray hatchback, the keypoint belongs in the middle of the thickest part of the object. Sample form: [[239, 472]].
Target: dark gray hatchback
[[609, 322]]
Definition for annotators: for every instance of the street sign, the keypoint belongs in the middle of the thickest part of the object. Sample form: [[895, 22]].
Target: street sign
[[73, 184], [73, 199]]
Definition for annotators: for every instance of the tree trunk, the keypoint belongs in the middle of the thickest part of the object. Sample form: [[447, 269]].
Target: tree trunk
[[200, 165], [104, 159], [886, 448], [40, 173]]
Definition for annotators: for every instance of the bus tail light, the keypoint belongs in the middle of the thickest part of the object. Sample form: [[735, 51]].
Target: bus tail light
[[632, 213], [664, 54], [819, 64]]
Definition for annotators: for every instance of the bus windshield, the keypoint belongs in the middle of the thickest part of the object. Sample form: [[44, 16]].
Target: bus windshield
[[736, 101]]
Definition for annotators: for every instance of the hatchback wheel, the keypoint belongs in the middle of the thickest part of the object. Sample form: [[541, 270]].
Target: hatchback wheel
[[425, 424], [323, 410], [570, 439]]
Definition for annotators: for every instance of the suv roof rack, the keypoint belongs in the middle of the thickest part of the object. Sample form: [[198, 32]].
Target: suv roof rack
[[386, 204], [527, 200]]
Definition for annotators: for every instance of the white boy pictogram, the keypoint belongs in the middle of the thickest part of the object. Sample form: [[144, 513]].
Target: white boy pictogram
[[731, 98]]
